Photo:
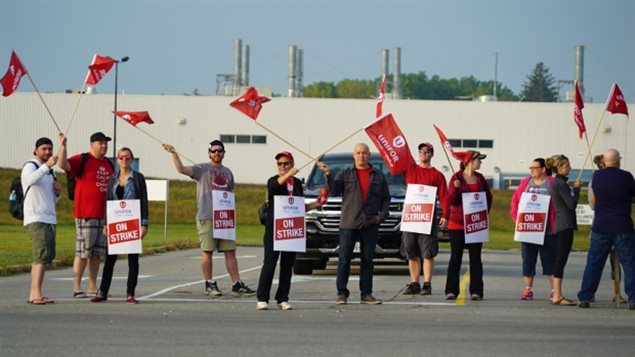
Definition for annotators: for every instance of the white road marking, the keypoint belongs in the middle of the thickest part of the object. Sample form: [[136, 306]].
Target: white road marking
[[99, 278], [223, 257]]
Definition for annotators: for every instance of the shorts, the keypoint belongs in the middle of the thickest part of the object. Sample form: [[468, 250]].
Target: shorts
[[90, 240], [208, 242], [415, 245], [43, 238]]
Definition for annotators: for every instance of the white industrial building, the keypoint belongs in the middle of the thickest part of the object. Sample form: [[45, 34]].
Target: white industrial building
[[510, 133]]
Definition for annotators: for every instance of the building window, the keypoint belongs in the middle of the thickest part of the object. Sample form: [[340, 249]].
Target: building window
[[227, 139], [486, 144], [469, 143], [258, 139], [243, 139], [456, 143]]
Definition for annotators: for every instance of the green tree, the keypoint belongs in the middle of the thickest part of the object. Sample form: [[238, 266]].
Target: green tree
[[356, 88], [320, 90], [540, 86]]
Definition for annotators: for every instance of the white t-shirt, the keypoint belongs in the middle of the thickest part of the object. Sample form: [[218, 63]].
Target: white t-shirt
[[39, 203]]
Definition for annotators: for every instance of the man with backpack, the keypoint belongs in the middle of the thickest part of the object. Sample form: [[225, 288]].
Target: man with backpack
[[91, 172], [41, 191]]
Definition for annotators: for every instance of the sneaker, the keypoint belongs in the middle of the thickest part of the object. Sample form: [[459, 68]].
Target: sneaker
[[285, 306], [240, 289], [131, 300], [412, 289], [211, 289], [426, 289], [584, 304], [341, 300], [370, 300], [262, 305], [98, 298], [476, 297], [527, 294], [450, 296]]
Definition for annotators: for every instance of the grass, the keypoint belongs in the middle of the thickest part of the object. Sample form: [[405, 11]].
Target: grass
[[15, 247]]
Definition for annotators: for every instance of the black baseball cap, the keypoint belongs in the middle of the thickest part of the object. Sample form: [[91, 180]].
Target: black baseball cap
[[99, 136]]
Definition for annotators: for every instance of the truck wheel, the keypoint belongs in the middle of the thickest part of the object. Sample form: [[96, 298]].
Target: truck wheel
[[303, 267]]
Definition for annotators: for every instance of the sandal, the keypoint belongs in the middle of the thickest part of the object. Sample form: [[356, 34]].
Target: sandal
[[79, 295], [36, 302], [563, 301], [47, 300]]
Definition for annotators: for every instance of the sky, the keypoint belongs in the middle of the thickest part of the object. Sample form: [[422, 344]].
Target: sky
[[177, 46]]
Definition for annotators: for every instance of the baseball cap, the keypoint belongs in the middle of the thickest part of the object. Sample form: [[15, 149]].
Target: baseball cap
[[427, 146], [43, 141], [99, 136], [474, 155], [284, 153], [216, 143]]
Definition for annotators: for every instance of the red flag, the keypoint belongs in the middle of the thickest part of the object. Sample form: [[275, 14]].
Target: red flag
[[11, 79], [391, 143], [380, 97], [134, 118], [98, 69], [250, 103], [616, 102], [445, 142], [577, 109]]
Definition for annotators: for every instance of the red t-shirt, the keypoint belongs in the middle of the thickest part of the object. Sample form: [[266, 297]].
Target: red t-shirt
[[90, 189], [363, 176]]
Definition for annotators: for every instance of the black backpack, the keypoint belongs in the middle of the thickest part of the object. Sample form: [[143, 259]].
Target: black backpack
[[70, 184], [16, 197]]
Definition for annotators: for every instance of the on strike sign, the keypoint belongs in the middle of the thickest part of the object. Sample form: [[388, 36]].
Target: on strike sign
[[531, 221], [475, 221], [224, 215], [289, 226], [123, 227], [418, 209]]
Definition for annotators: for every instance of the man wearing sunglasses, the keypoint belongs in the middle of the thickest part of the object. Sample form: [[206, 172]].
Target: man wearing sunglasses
[[40, 217], [211, 176]]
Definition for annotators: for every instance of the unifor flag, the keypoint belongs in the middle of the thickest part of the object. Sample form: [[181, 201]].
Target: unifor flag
[[446, 143], [11, 79], [390, 142], [98, 69], [380, 97], [577, 109], [250, 103], [616, 102], [134, 118]]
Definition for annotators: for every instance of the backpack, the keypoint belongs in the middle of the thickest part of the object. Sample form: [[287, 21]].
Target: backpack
[[70, 184], [16, 197]]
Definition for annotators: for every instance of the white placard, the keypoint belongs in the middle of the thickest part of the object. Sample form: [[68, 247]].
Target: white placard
[[531, 221], [418, 209], [123, 222], [157, 190], [289, 226], [224, 215], [475, 220], [584, 215]]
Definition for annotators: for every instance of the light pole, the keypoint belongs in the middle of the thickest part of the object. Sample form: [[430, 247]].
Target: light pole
[[114, 134]]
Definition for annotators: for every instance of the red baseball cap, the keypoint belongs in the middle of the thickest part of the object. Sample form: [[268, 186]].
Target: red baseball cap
[[285, 153]]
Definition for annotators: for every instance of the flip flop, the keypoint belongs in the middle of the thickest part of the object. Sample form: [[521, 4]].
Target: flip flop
[[563, 301], [36, 302], [47, 300], [79, 295]]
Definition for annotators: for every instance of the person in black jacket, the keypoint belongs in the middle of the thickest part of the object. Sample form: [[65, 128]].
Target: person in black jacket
[[125, 184], [283, 184]]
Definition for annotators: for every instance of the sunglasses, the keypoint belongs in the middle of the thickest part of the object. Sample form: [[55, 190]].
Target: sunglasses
[[425, 151], [283, 163], [125, 158], [215, 151]]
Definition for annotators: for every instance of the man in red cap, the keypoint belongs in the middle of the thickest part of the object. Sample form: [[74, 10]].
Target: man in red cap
[[416, 246]]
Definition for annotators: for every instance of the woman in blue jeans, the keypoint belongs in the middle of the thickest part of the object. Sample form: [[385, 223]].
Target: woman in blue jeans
[[125, 184]]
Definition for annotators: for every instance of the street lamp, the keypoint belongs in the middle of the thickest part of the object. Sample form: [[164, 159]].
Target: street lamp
[[114, 134]]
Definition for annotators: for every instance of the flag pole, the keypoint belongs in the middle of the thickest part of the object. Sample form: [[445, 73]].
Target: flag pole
[[43, 102], [81, 93], [161, 142], [587, 156], [590, 146], [445, 151], [288, 143], [333, 147]]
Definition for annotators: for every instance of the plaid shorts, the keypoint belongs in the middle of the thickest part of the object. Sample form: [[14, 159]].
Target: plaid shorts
[[90, 238]]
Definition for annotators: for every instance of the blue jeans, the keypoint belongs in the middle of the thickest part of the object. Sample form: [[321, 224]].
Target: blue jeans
[[367, 240], [601, 244]]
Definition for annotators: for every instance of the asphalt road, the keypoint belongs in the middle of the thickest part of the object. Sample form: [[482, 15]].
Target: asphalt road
[[175, 318]]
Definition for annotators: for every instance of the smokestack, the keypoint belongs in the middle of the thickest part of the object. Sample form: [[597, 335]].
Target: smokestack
[[579, 67], [299, 72], [292, 70], [238, 46], [396, 85], [244, 75], [384, 61]]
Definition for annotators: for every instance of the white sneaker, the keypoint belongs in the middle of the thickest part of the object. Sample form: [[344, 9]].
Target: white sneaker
[[262, 305], [285, 306]]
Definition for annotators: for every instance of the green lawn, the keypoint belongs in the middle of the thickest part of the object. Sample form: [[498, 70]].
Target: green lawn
[[15, 247]]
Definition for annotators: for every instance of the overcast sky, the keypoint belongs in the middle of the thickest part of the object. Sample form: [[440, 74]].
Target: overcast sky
[[177, 46]]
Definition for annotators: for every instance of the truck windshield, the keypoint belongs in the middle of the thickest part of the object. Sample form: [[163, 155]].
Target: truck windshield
[[316, 179]]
